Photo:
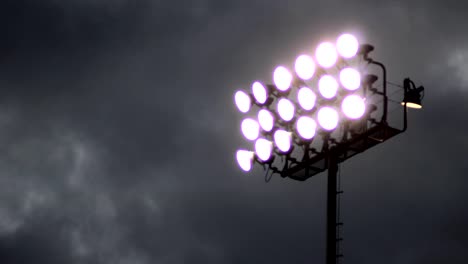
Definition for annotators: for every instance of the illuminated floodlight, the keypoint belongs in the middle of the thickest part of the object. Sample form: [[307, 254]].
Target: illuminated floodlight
[[243, 101], [266, 120], [327, 118], [306, 98], [283, 140], [412, 105], [260, 92], [413, 96], [347, 46], [263, 149], [245, 159], [306, 127], [326, 55], [250, 129], [353, 106], [350, 79], [282, 78], [305, 67], [328, 86], [286, 109]]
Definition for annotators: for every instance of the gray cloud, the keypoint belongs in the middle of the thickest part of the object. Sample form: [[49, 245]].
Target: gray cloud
[[118, 134]]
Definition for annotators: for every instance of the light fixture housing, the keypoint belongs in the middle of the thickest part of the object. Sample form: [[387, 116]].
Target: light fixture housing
[[413, 96], [364, 50]]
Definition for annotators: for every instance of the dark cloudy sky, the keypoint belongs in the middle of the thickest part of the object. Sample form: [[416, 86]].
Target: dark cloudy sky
[[118, 133]]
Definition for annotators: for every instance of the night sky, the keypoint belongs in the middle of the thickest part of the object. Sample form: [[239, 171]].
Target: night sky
[[118, 134]]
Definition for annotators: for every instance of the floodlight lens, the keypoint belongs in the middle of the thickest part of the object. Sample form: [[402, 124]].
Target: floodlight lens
[[328, 86], [286, 109], [243, 101], [353, 106], [283, 140], [412, 105], [306, 98], [263, 149], [350, 79], [266, 120], [347, 46], [260, 92], [245, 159], [327, 118], [326, 55], [306, 127], [282, 78], [250, 129], [305, 67]]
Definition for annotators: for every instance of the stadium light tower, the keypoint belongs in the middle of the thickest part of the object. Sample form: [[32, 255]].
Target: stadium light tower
[[319, 115]]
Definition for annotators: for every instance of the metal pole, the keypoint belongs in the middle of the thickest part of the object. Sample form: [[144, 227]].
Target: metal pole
[[331, 208]]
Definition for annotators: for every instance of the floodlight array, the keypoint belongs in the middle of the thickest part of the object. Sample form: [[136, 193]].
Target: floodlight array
[[323, 92]]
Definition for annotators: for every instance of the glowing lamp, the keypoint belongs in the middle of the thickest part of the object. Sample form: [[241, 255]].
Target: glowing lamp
[[328, 86], [306, 127], [347, 46], [263, 149], [353, 106], [305, 67], [327, 118], [283, 140], [250, 129], [243, 101], [245, 159], [306, 98], [326, 55], [266, 120], [282, 78]]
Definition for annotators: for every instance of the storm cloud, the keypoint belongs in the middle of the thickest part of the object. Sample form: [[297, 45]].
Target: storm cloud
[[117, 134]]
